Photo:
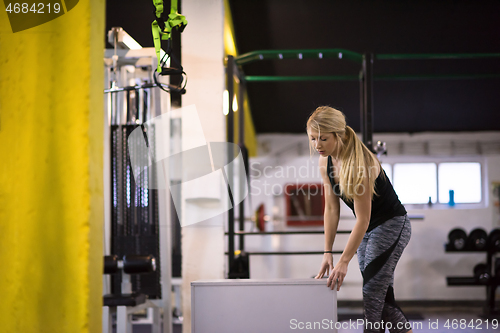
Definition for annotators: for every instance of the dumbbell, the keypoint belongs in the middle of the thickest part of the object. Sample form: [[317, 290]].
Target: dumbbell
[[131, 264], [457, 239], [497, 267], [494, 240], [477, 239], [482, 273]]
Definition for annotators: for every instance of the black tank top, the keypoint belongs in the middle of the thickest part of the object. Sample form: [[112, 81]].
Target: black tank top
[[385, 205]]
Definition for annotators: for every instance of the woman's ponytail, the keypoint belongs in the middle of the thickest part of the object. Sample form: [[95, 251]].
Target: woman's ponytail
[[357, 161]]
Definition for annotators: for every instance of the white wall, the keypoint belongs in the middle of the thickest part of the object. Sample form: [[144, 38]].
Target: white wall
[[422, 270]]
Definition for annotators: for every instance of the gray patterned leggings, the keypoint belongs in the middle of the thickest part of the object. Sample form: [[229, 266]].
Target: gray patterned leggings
[[378, 255]]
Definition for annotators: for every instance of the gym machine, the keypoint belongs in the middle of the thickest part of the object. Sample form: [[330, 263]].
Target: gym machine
[[138, 219], [365, 77], [484, 274], [125, 268]]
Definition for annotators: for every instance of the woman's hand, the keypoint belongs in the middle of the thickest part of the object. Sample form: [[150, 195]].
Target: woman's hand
[[338, 274], [326, 265]]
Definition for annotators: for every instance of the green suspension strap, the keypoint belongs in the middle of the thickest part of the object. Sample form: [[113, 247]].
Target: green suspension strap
[[162, 29]]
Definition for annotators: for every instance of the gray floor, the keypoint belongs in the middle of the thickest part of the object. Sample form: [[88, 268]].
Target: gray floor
[[435, 320]]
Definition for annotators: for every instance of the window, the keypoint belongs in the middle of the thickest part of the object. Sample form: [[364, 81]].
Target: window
[[414, 183], [463, 178], [388, 170]]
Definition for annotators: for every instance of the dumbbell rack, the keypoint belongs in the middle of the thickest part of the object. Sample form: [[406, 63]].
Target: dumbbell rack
[[491, 285]]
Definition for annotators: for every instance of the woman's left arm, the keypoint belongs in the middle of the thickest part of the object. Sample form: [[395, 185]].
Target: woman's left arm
[[362, 207]]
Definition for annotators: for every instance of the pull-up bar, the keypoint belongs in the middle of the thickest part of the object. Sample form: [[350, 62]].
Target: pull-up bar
[[350, 55], [358, 58], [260, 78], [264, 78], [298, 54]]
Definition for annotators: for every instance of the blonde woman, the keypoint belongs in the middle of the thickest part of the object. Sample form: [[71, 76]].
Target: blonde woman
[[382, 230]]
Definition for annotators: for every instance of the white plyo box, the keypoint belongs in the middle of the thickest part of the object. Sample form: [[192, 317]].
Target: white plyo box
[[250, 306]]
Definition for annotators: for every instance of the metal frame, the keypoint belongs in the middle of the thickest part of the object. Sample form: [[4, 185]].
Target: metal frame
[[490, 310], [233, 72], [365, 78], [145, 57], [244, 151], [366, 100], [230, 138]]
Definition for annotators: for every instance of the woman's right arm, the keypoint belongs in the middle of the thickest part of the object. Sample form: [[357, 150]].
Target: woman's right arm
[[331, 218]]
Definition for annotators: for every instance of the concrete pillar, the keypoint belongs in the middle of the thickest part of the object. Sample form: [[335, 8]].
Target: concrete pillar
[[202, 57]]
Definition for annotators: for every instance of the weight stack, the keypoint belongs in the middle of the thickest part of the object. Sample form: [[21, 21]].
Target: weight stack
[[134, 213]]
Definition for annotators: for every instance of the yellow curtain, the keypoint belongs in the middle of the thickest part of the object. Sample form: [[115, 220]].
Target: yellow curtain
[[51, 187]]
